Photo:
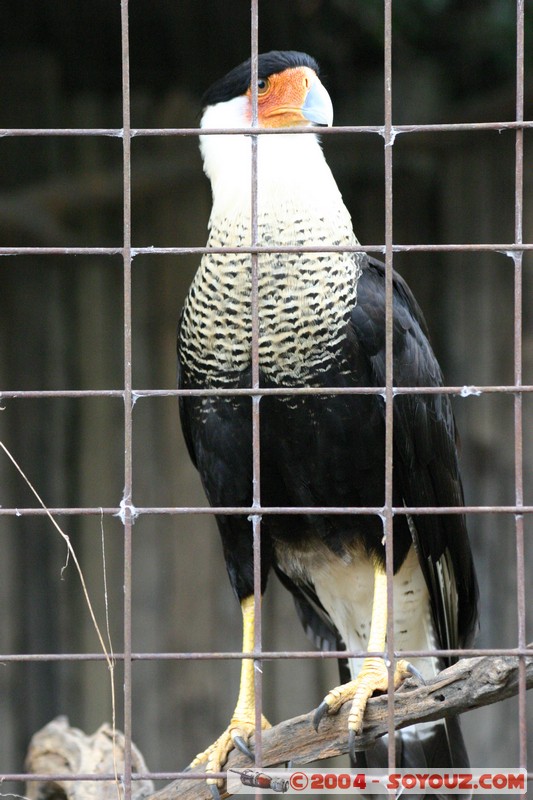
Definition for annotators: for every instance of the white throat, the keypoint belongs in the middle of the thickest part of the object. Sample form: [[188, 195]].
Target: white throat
[[292, 173]]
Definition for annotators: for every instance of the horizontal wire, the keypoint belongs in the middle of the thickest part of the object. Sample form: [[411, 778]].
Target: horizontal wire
[[463, 391], [505, 248], [265, 510], [270, 655], [66, 777], [135, 776], [442, 127]]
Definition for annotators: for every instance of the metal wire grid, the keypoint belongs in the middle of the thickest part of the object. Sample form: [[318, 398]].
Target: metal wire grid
[[129, 512]]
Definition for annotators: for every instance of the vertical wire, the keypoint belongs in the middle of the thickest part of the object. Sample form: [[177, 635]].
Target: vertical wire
[[128, 467], [518, 398], [256, 445], [389, 397]]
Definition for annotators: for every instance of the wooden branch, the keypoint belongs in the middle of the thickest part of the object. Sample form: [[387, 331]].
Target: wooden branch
[[471, 683]]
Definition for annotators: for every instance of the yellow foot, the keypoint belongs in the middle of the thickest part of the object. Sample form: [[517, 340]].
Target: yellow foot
[[373, 677], [237, 734]]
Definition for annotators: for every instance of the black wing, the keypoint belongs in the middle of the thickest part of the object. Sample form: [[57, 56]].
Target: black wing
[[425, 450]]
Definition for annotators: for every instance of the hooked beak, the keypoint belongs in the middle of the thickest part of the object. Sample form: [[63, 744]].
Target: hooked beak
[[317, 107]]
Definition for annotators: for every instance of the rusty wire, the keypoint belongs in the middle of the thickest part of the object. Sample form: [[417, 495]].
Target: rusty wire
[[128, 512], [502, 249], [256, 398], [265, 510], [270, 655], [435, 127], [514, 250], [518, 398]]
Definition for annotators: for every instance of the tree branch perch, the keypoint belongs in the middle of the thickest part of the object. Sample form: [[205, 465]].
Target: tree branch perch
[[468, 684], [471, 683]]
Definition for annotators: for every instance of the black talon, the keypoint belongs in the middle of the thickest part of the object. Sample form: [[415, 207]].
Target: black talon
[[213, 788], [412, 670], [319, 714], [239, 742], [352, 738]]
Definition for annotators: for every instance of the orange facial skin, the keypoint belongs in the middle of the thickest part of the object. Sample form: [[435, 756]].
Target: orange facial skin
[[280, 98]]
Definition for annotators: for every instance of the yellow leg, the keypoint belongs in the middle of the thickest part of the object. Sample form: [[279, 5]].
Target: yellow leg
[[246, 699], [242, 723], [373, 675]]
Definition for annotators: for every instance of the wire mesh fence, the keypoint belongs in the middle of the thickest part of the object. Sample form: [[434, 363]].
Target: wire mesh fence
[[131, 511]]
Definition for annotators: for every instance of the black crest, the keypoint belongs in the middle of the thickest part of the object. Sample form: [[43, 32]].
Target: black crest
[[236, 82]]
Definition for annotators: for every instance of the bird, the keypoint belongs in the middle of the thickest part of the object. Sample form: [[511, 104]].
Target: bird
[[321, 325]]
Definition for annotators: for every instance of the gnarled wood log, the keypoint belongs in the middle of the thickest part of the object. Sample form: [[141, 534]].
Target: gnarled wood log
[[58, 749]]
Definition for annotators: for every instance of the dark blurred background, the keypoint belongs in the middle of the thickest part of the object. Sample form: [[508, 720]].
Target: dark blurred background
[[61, 327]]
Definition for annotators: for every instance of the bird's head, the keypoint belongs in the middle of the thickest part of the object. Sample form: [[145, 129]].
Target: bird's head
[[289, 93], [290, 167]]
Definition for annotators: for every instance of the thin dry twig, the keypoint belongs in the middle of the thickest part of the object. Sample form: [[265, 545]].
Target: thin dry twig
[[72, 554]]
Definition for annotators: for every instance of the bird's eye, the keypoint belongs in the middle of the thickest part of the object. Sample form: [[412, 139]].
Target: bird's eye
[[263, 85]]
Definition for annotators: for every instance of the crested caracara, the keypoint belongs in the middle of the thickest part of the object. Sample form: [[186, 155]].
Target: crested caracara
[[321, 324]]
